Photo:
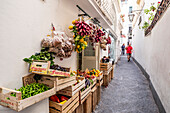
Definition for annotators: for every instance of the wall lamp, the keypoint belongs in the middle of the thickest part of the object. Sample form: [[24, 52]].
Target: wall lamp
[[132, 15]]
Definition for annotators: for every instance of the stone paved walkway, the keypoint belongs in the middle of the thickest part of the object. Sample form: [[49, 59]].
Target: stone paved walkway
[[128, 92]]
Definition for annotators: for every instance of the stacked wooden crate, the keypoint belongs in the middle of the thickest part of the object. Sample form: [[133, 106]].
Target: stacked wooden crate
[[106, 68]]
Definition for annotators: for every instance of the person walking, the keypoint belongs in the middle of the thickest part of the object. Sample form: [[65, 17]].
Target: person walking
[[129, 51], [123, 49]]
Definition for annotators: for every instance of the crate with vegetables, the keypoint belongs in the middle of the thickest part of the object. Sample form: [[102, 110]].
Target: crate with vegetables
[[56, 70], [72, 90], [31, 93], [91, 78], [60, 82], [63, 104], [84, 92], [97, 74], [42, 63], [94, 99]]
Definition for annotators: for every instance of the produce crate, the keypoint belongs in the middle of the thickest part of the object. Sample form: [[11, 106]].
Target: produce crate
[[112, 72], [79, 109], [43, 67], [39, 67], [105, 66], [98, 94], [67, 107], [100, 79], [107, 72], [88, 104], [17, 104], [84, 94], [94, 97], [53, 72], [71, 90], [60, 82], [94, 83]]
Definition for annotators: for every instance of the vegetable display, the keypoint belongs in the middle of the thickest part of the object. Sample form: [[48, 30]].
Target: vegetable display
[[81, 30], [31, 90], [61, 99], [94, 72], [88, 79], [59, 68], [43, 55]]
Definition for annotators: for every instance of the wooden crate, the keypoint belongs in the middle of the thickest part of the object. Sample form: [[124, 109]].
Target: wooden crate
[[79, 109], [72, 90], [67, 107], [39, 67], [98, 94], [60, 82], [94, 83], [100, 79], [17, 104], [58, 73], [105, 80], [94, 98], [106, 77], [104, 66], [87, 105], [107, 72], [84, 94]]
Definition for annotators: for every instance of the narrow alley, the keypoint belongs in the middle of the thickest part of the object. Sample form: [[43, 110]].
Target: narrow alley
[[128, 92], [72, 56]]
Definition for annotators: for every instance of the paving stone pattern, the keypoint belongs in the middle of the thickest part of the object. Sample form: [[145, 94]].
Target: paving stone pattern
[[128, 92]]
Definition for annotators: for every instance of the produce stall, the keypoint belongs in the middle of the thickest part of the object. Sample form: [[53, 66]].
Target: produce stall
[[67, 90], [26, 96]]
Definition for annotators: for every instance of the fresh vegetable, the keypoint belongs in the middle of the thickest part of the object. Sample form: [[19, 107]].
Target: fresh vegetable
[[43, 55], [59, 98], [57, 67], [31, 90], [63, 102], [81, 30], [94, 72], [54, 98], [63, 98]]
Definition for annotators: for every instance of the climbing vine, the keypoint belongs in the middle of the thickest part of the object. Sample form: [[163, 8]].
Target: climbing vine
[[151, 13]]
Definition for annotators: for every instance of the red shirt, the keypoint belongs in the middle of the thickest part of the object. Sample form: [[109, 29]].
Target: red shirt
[[129, 49]]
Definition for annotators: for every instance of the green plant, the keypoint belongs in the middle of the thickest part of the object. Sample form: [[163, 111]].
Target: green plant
[[43, 55], [145, 25], [151, 12]]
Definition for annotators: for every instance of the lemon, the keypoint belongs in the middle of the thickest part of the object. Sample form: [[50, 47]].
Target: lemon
[[85, 42], [74, 21], [82, 40], [70, 27], [78, 46]]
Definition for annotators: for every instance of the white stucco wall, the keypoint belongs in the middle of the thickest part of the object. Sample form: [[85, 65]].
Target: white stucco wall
[[152, 52], [23, 24]]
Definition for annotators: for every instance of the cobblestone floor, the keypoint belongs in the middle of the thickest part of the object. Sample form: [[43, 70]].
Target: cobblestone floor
[[128, 92]]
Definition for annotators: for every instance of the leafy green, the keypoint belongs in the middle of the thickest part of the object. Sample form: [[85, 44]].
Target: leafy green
[[43, 55], [31, 90]]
